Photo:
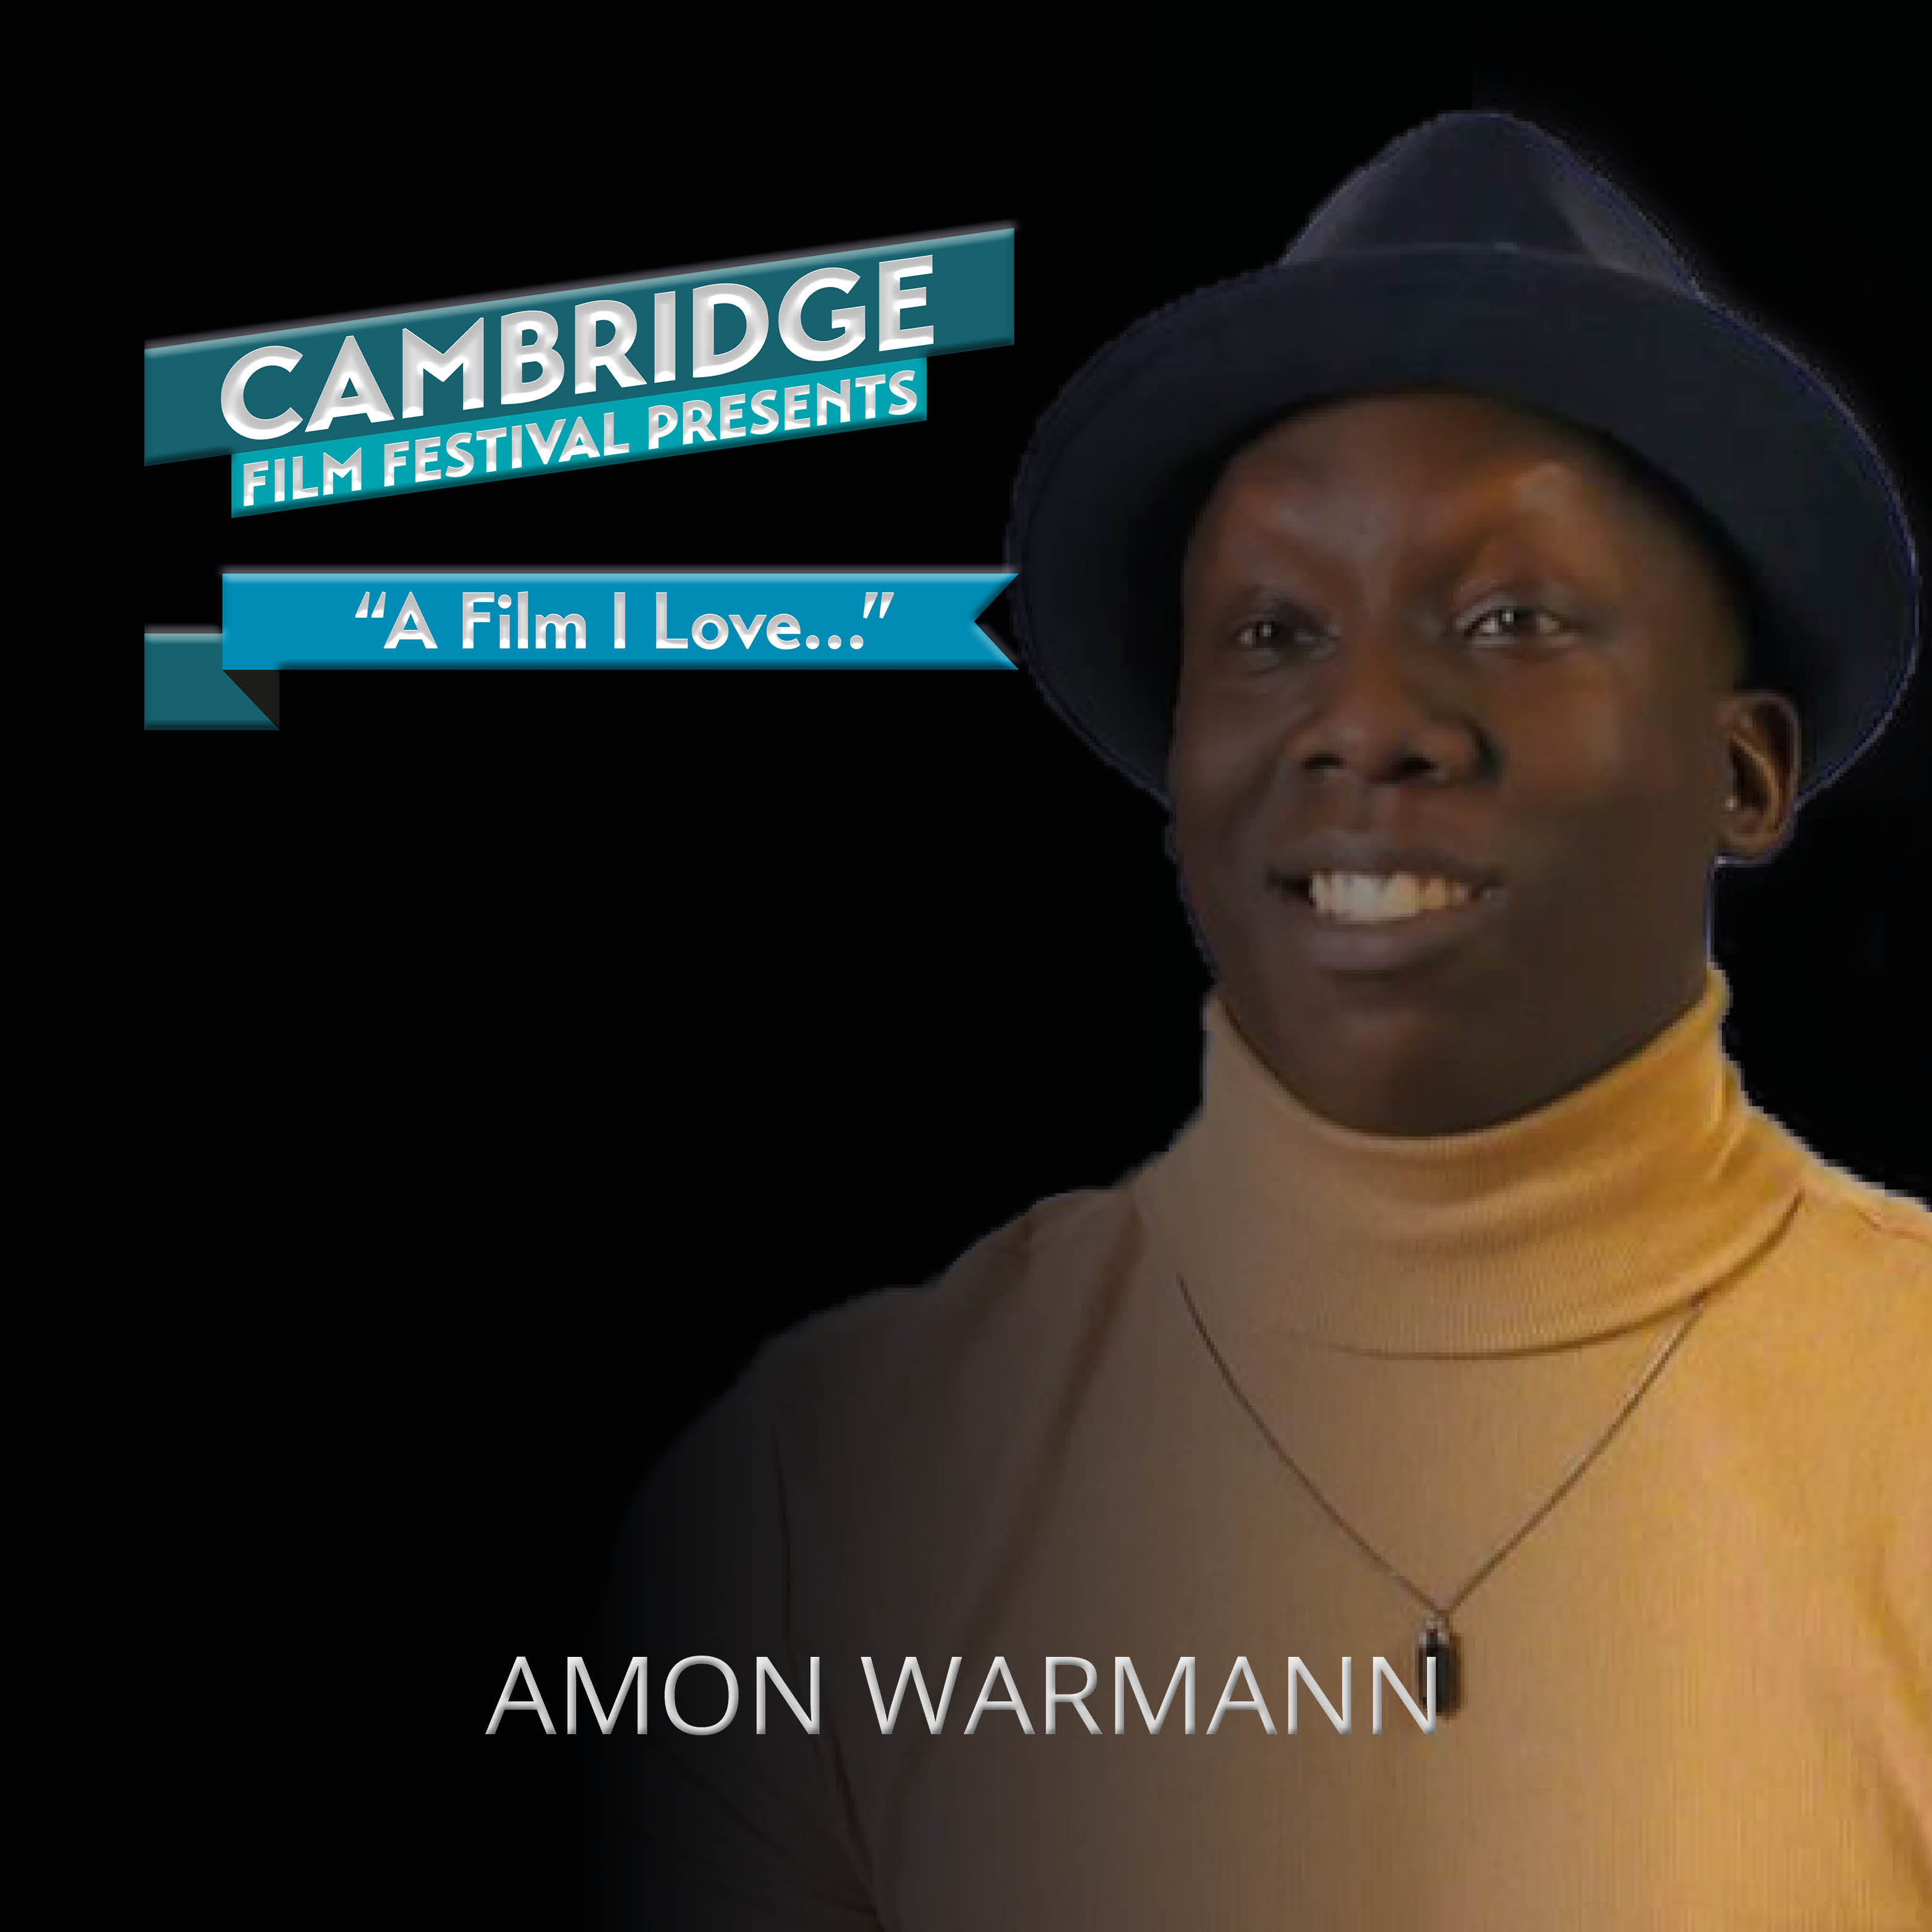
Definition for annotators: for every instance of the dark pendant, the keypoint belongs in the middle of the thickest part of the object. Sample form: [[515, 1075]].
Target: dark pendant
[[1440, 1643]]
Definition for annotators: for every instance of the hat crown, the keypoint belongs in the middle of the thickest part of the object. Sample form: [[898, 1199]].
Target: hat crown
[[1487, 180]]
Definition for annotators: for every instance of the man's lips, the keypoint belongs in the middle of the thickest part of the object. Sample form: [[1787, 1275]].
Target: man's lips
[[1365, 905], [1360, 898], [1380, 938], [1357, 875]]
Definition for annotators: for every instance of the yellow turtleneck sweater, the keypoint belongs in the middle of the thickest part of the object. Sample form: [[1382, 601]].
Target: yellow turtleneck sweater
[[1698, 1692]]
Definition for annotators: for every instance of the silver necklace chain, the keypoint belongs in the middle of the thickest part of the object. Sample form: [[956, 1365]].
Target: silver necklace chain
[[1443, 1612]]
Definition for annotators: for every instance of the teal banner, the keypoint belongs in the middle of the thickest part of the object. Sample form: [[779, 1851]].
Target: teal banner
[[272, 392], [549, 441], [486, 619], [184, 688]]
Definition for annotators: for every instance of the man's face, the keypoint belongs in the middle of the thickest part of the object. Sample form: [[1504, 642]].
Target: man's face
[[1454, 749]]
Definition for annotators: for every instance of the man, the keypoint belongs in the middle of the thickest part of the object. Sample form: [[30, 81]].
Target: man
[[1469, 587]]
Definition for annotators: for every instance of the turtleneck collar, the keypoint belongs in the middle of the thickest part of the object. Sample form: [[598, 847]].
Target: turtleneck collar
[[1597, 1212]]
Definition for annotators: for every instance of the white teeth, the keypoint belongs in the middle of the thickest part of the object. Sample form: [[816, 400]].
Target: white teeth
[[1368, 897]]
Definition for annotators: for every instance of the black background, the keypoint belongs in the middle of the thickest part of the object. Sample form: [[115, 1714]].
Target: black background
[[524, 1049]]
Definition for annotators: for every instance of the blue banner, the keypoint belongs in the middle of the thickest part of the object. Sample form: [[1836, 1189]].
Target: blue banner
[[508, 619]]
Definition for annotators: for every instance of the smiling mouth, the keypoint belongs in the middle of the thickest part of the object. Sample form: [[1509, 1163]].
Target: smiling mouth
[[1382, 898]]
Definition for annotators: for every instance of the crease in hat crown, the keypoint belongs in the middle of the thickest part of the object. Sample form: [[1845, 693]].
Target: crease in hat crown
[[1475, 251], [1482, 179]]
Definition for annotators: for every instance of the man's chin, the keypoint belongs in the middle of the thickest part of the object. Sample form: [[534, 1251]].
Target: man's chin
[[1425, 1049]]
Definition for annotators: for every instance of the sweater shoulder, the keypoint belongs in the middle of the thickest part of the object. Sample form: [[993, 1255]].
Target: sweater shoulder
[[885, 1364], [1839, 1321], [1893, 1225], [1868, 1234], [863, 1397], [1012, 1301]]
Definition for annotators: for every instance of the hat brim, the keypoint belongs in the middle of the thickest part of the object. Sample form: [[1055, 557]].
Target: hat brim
[[1122, 463]]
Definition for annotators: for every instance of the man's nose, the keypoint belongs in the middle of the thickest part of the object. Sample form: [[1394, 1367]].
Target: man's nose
[[1381, 708]]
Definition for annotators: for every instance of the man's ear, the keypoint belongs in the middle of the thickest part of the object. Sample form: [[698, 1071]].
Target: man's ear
[[1764, 745]]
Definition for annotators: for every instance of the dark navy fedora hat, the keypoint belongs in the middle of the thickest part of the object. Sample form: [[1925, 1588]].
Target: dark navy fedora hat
[[1479, 252]]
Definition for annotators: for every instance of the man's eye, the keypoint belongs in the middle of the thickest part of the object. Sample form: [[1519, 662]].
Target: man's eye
[[1507, 623], [1274, 634]]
